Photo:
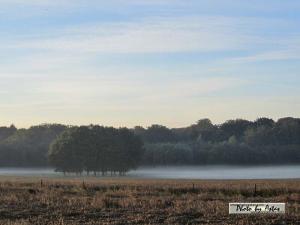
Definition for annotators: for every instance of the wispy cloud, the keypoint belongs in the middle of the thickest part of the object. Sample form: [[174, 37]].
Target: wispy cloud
[[181, 34], [113, 90], [269, 56]]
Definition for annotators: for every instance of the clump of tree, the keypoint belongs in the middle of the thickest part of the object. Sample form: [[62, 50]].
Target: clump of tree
[[96, 149]]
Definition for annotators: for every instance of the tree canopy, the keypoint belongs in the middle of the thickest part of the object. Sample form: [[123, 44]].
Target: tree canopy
[[27, 147], [105, 149], [96, 149]]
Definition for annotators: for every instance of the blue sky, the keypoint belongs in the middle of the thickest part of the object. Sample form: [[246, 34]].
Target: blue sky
[[139, 62]]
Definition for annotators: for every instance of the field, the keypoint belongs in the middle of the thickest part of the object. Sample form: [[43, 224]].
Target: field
[[129, 201]]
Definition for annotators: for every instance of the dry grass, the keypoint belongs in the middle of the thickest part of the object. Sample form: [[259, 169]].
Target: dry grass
[[127, 201]]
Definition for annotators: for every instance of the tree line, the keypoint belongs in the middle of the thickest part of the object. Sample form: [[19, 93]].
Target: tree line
[[27, 147], [98, 149], [239, 141]]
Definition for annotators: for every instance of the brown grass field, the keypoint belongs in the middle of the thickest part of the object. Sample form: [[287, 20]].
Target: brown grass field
[[129, 201]]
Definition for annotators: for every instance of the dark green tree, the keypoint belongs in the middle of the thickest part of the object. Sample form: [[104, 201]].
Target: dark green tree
[[96, 149]]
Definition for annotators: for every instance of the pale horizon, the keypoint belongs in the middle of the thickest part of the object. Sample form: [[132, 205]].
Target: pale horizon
[[144, 126]]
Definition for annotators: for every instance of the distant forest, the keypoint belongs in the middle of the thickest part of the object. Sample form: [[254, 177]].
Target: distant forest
[[104, 149]]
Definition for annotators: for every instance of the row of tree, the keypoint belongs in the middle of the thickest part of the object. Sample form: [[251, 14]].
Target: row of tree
[[195, 153], [27, 147], [263, 131], [101, 149], [262, 141]]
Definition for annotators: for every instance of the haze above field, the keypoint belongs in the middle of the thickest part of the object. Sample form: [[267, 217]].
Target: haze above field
[[130, 62]]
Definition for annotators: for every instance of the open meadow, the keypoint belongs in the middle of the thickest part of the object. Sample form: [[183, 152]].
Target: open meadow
[[131, 201]]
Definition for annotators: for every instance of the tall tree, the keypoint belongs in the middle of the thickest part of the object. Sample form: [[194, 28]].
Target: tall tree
[[96, 149]]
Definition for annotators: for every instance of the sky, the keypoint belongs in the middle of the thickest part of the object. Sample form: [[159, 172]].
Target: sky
[[142, 62]]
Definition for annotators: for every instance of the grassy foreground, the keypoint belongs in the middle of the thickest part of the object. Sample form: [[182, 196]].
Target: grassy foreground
[[129, 201]]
